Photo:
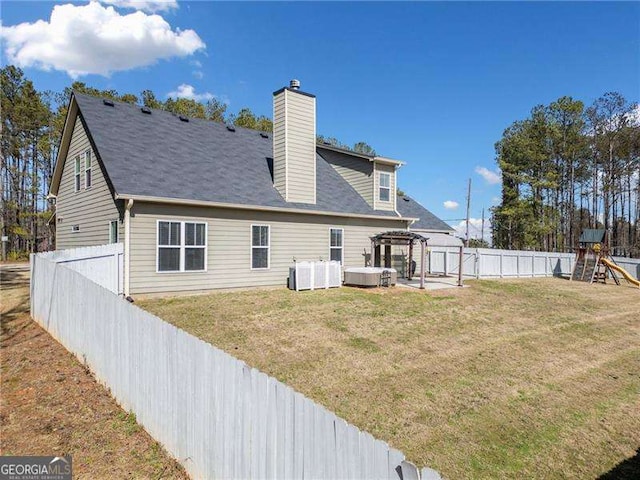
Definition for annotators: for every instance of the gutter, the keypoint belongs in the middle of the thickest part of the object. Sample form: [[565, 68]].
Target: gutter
[[127, 246], [235, 206]]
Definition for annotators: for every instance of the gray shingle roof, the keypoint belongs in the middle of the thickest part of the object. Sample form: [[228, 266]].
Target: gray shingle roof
[[408, 207], [161, 156]]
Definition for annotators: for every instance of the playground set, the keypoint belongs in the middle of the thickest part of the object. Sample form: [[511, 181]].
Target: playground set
[[594, 262]]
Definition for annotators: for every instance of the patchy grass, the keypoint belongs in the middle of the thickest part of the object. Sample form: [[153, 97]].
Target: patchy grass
[[523, 378], [51, 405]]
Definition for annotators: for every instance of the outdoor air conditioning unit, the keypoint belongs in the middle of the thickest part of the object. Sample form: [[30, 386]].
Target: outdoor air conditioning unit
[[312, 275]]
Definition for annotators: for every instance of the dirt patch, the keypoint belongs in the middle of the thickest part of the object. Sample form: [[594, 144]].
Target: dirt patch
[[506, 379], [51, 404]]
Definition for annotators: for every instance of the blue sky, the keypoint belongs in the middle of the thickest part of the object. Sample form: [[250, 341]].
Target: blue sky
[[432, 84]]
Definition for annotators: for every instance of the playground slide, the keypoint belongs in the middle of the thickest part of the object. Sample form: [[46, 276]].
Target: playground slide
[[622, 271]]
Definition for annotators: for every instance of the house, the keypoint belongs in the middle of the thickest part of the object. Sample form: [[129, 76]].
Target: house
[[201, 205]]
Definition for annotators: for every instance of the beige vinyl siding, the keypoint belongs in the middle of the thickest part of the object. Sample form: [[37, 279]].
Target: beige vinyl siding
[[295, 115], [279, 146], [299, 236], [391, 204], [357, 171], [91, 209]]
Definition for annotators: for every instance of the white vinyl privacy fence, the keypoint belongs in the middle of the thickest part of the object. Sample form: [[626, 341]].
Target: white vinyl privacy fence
[[216, 415], [631, 265], [494, 263], [102, 264]]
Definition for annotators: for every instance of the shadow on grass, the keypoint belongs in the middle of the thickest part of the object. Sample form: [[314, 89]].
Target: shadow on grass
[[627, 469], [14, 277]]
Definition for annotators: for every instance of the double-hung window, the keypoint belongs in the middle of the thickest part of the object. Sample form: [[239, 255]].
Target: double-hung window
[[76, 178], [260, 245], [336, 245], [182, 246], [385, 187], [87, 169], [195, 246]]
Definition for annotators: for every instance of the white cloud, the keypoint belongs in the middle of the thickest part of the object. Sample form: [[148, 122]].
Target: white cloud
[[198, 74], [146, 5], [93, 39], [490, 176], [475, 229], [451, 204], [196, 63], [189, 91]]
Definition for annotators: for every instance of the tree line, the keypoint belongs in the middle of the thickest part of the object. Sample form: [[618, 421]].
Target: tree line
[[32, 123], [567, 167]]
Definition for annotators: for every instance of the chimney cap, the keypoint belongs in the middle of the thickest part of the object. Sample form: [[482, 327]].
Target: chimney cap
[[294, 86]]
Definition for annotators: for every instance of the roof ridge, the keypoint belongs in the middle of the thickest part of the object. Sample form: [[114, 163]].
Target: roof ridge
[[165, 112]]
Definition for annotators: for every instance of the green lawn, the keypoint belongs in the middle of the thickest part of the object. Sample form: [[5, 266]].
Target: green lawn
[[505, 379]]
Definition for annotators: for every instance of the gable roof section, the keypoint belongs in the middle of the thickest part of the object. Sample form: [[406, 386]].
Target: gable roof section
[[409, 208], [159, 155], [592, 235]]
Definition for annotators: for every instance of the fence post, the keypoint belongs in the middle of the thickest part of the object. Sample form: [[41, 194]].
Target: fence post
[[533, 264], [546, 264], [446, 258], [116, 279], [477, 263]]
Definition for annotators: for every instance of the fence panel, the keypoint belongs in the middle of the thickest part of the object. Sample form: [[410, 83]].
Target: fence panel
[[103, 264], [217, 416], [631, 265], [494, 263]]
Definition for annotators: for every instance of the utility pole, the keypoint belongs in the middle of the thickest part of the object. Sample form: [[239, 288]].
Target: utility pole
[[466, 241], [482, 230]]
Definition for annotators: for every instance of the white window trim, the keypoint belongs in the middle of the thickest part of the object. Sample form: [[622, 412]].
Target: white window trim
[[182, 245], [380, 187], [340, 247], [111, 240], [87, 154], [268, 247], [77, 178]]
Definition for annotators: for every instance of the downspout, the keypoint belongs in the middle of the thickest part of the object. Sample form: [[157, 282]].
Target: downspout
[[127, 245]]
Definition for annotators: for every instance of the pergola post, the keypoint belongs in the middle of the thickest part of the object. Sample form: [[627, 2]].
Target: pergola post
[[373, 247], [422, 266], [410, 260], [387, 256], [460, 266]]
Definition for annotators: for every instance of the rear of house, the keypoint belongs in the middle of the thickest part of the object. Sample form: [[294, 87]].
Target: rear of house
[[200, 205]]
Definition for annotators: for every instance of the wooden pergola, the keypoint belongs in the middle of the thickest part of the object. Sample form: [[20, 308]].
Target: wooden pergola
[[407, 238]]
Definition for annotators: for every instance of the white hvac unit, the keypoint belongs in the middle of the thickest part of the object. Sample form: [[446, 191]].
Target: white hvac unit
[[312, 275]]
